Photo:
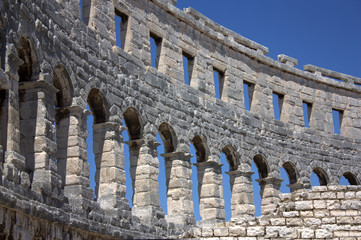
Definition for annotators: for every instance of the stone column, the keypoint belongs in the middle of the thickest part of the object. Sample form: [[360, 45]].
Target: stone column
[[39, 144], [178, 170], [76, 186], [109, 159], [146, 201], [270, 193], [14, 162], [211, 203], [242, 202]]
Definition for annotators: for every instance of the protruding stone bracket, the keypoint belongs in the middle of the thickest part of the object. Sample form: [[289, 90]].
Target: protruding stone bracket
[[289, 61]]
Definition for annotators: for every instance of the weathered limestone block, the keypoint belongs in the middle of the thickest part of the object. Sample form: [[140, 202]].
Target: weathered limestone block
[[211, 203], [39, 147], [242, 194], [179, 189], [109, 159], [270, 193], [73, 165]]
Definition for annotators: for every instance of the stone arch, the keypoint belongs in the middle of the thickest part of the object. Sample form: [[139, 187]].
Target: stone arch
[[63, 100], [352, 178], [29, 70], [322, 176], [291, 171], [202, 150], [262, 165], [168, 137], [63, 84], [134, 123], [231, 156], [98, 105]]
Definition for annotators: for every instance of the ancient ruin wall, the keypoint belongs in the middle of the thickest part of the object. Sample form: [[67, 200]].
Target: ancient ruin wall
[[53, 65]]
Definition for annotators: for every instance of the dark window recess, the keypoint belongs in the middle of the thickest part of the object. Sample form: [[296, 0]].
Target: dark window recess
[[188, 63], [121, 25], [155, 48], [248, 90], [218, 77]]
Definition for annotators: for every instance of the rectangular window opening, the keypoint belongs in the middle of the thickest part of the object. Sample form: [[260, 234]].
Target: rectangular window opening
[[218, 77], [307, 111], [121, 25], [248, 89], [188, 63], [277, 104], [85, 6], [155, 48], [337, 116]]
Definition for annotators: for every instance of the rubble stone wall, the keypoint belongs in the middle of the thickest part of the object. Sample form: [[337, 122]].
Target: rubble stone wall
[[53, 64]]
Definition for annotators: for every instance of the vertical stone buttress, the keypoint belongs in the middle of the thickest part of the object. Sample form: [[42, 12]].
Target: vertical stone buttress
[[270, 193], [144, 169], [39, 145], [109, 159], [178, 169], [211, 203], [76, 186], [242, 202], [14, 162]]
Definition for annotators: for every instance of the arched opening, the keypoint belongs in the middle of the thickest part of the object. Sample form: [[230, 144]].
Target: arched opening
[[229, 163], [289, 176], [133, 123], [28, 103], [348, 178], [95, 140], [319, 177], [63, 99], [261, 169], [167, 137], [199, 147], [28, 71]]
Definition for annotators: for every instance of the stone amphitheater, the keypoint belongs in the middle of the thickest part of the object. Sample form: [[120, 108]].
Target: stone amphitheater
[[53, 63]]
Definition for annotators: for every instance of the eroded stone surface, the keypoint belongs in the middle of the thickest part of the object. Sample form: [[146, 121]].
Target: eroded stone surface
[[53, 65]]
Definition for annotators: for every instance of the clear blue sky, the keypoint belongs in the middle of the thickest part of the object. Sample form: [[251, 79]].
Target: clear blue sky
[[322, 33], [325, 33]]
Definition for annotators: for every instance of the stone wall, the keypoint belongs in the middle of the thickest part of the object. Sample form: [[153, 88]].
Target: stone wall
[[324, 213], [53, 65]]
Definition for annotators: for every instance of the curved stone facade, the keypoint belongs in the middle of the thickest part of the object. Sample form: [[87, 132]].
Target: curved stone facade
[[53, 65]]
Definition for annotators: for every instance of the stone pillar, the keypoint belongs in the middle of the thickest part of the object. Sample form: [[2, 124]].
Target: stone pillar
[[109, 159], [39, 144], [270, 193], [178, 170], [242, 202], [211, 203], [14, 162], [146, 201], [76, 186]]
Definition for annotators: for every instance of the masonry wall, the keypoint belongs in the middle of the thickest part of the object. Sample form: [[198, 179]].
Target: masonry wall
[[54, 65]]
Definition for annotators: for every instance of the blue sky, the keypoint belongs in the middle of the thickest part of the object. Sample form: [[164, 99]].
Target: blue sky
[[322, 33]]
